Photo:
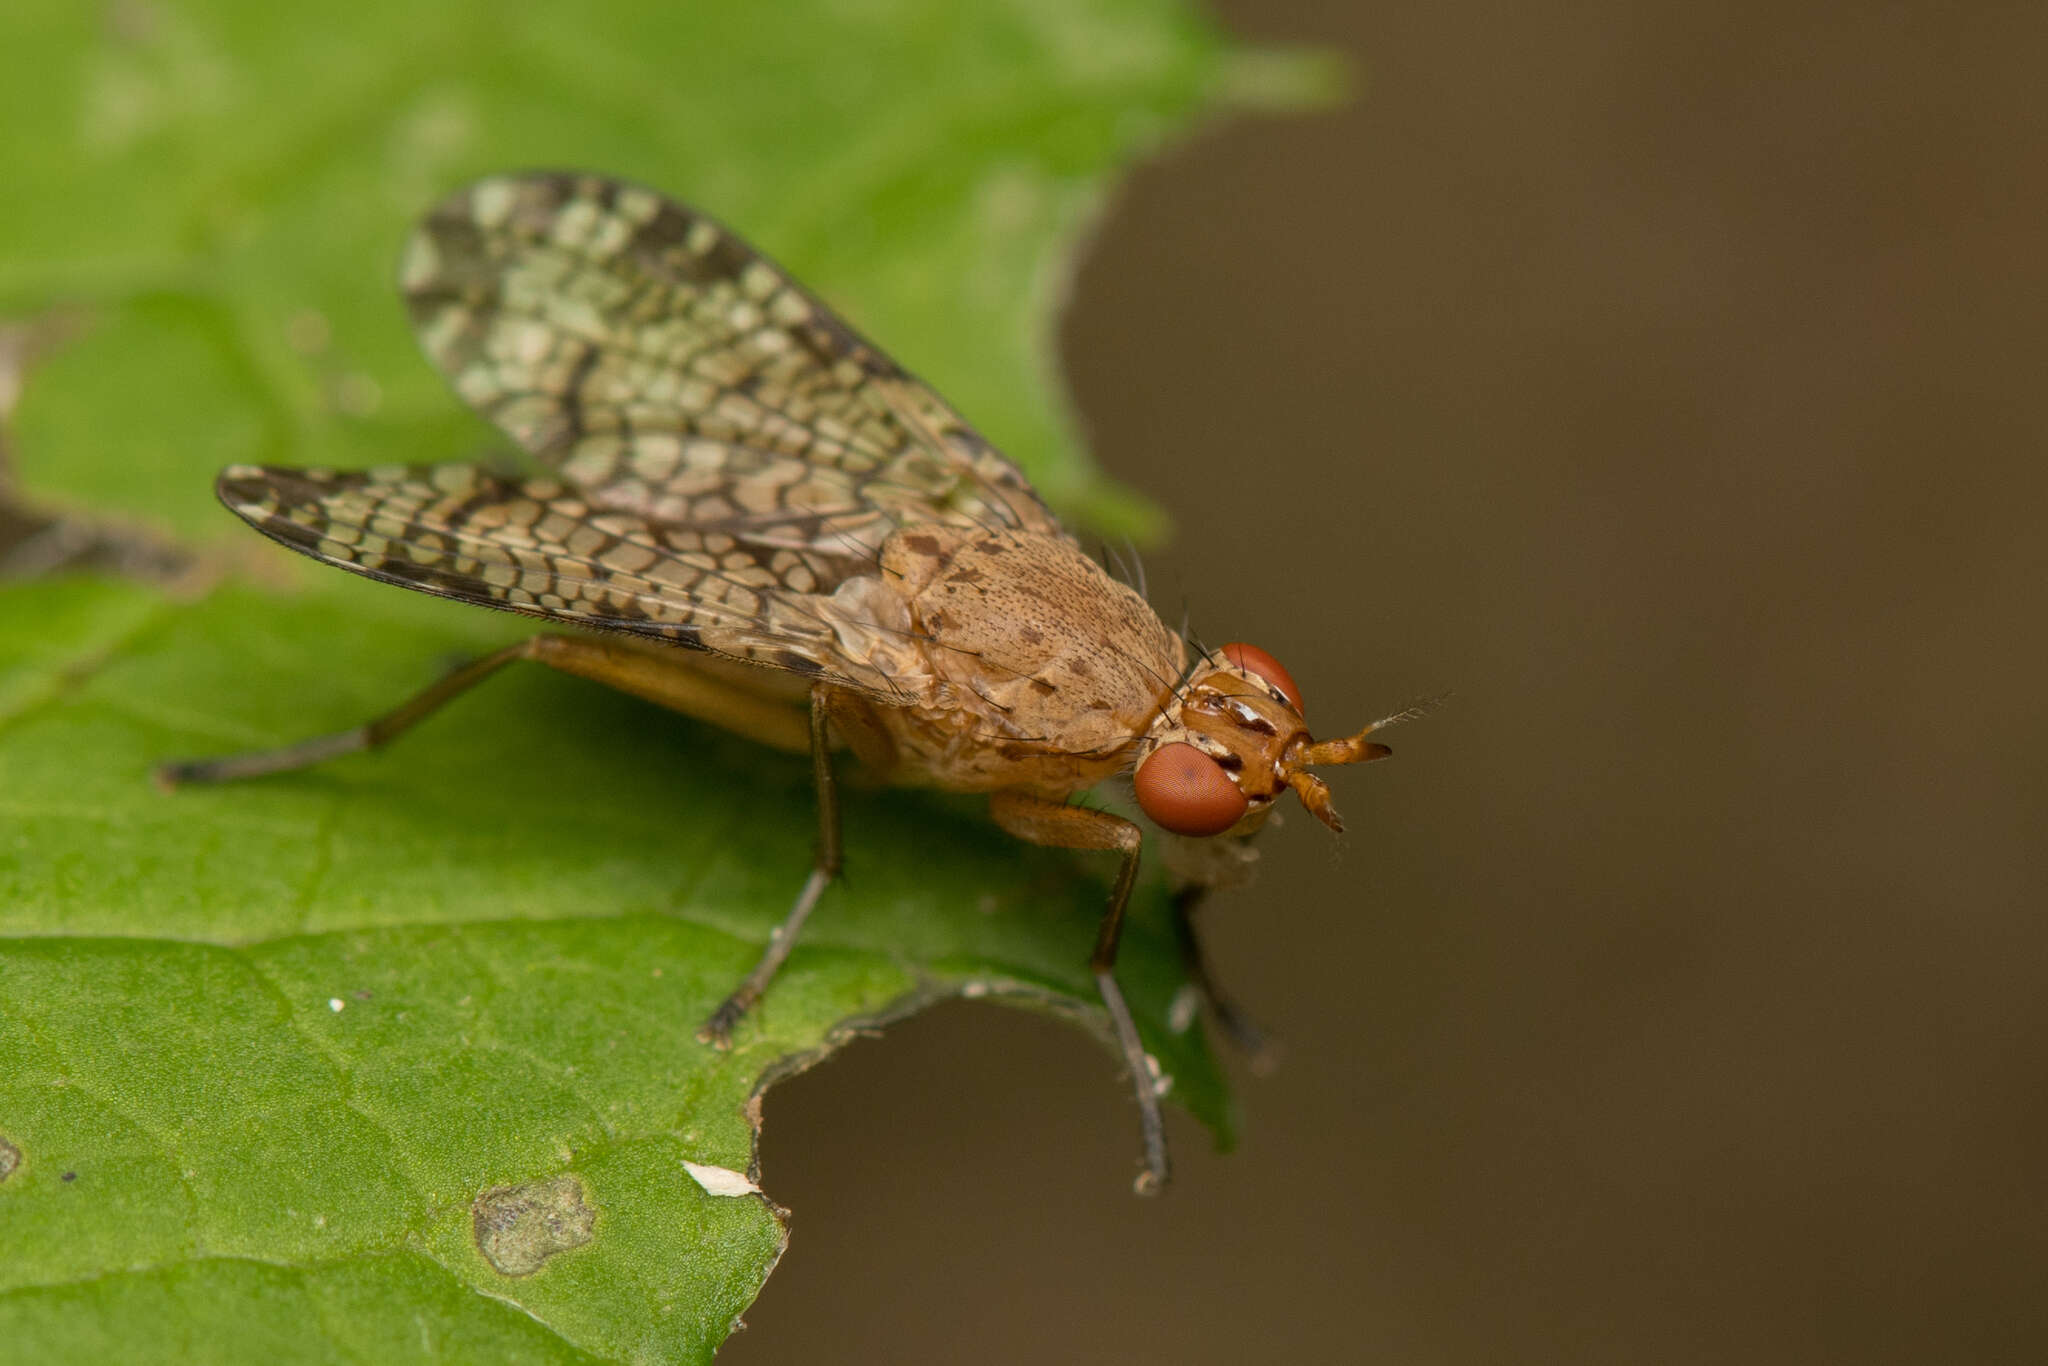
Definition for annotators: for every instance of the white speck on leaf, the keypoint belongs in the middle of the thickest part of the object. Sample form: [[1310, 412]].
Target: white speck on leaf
[[336, 1004], [720, 1180]]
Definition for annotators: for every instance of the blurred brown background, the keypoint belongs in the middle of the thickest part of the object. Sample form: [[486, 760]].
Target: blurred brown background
[[1667, 380]]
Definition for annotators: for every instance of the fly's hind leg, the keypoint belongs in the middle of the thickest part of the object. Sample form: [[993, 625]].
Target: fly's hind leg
[[661, 675], [1038, 821], [831, 709], [370, 735]]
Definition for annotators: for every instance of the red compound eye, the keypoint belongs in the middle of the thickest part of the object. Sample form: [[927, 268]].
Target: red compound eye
[[1187, 792], [1253, 660]]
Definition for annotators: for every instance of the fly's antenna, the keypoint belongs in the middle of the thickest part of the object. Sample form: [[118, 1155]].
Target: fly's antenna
[[1305, 754]]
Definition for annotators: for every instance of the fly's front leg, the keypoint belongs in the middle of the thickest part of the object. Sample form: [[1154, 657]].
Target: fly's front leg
[[1260, 1052], [661, 675], [1078, 827], [857, 726]]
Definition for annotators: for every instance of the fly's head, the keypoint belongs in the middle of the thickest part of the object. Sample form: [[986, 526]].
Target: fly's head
[[1231, 741]]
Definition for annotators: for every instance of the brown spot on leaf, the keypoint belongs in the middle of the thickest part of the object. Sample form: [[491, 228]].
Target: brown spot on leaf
[[10, 1158], [921, 544], [518, 1228]]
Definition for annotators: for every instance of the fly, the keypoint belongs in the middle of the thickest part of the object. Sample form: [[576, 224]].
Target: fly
[[753, 516]]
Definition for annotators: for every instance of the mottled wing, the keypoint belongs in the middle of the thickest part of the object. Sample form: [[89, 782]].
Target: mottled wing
[[665, 368], [538, 547]]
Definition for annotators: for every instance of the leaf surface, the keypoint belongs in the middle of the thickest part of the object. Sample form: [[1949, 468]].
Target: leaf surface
[[393, 1059]]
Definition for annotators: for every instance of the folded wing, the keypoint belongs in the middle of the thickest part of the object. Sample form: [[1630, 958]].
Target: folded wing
[[621, 338], [539, 548]]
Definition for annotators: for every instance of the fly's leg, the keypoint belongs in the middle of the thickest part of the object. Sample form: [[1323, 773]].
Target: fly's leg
[[1038, 821], [370, 735], [1260, 1052], [662, 676], [717, 1031]]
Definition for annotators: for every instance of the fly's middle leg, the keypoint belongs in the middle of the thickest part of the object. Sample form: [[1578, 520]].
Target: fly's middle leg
[[830, 709]]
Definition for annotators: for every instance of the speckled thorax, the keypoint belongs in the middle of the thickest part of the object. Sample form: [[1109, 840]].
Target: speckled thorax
[[1037, 670]]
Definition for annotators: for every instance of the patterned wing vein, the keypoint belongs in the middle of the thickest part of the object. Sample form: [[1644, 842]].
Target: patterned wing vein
[[538, 548], [626, 341]]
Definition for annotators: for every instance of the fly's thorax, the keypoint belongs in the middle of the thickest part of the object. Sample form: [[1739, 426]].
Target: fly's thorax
[[1032, 635]]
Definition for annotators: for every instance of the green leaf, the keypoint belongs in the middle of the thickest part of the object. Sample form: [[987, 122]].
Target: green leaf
[[394, 1059]]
